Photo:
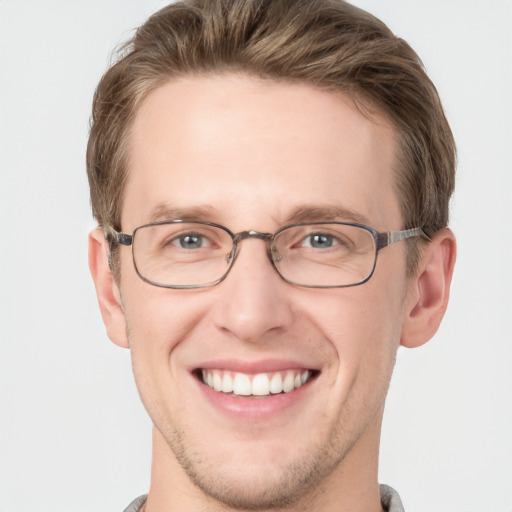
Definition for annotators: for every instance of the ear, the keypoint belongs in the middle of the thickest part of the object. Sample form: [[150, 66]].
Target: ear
[[107, 291], [429, 290]]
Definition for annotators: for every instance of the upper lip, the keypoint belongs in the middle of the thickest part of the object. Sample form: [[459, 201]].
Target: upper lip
[[253, 367]]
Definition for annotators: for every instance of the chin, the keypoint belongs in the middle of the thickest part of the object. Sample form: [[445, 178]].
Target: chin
[[264, 484], [258, 488]]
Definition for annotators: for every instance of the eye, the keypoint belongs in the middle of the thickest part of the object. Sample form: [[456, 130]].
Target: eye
[[190, 241], [320, 241]]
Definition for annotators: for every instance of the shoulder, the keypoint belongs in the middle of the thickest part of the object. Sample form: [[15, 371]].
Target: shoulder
[[136, 504], [390, 499]]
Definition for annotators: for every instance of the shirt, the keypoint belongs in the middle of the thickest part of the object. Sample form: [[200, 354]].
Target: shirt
[[388, 496]]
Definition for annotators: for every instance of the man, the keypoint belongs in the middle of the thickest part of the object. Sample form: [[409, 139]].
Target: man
[[271, 180]]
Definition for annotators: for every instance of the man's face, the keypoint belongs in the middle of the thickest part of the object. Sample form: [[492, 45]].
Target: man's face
[[257, 155]]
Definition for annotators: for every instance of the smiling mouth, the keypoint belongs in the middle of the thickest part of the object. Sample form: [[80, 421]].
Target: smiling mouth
[[260, 384]]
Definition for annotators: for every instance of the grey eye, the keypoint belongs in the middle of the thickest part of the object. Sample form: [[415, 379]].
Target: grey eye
[[190, 241], [319, 241]]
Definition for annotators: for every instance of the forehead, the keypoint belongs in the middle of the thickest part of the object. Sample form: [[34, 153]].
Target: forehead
[[248, 150]]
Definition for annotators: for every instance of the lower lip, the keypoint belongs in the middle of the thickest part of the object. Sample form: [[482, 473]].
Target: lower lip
[[253, 408]]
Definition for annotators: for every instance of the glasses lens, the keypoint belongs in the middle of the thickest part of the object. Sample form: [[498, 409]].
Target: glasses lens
[[325, 254], [181, 254]]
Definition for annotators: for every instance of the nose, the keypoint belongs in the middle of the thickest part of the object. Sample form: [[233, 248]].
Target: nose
[[253, 302]]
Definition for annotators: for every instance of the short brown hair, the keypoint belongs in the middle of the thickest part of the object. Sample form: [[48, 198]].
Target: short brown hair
[[330, 44]]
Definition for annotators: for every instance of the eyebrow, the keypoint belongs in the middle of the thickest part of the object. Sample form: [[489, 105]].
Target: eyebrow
[[303, 213], [313, 213], [164, 211]]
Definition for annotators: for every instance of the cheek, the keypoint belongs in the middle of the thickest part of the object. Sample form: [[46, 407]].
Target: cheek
[[158, 320], [362, 326], [159, 325], [357, 317]]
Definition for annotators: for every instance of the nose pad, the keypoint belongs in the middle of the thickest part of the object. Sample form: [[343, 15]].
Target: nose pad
[[274, 255], [231, 257]]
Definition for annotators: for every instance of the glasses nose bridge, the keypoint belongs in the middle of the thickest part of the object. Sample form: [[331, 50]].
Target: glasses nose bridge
[[267, 237], [258, 235]]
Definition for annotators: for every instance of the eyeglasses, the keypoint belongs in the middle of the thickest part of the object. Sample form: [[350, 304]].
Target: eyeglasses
[[181, 254]]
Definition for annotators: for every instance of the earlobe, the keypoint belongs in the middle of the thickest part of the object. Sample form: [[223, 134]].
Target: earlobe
[[429, 290], [107, 291]]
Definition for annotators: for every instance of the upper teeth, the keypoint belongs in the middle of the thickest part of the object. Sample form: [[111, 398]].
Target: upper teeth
[[260, 384]]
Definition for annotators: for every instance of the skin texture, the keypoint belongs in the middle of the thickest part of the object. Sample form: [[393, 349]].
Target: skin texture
[[249, 153]]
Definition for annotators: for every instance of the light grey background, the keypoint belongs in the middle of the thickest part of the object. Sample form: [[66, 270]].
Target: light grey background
[[73, 435]]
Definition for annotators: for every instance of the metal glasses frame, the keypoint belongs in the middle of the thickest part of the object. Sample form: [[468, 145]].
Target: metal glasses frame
[[381, 240]]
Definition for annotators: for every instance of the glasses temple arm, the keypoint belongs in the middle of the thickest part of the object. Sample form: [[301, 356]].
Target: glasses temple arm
[[121, 238], [391, 237]]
